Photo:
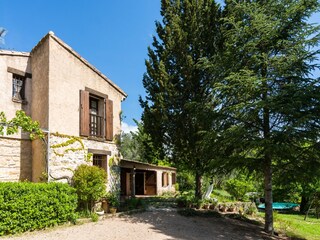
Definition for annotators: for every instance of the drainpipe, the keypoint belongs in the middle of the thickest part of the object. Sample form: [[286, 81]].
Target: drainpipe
[[48, 151]]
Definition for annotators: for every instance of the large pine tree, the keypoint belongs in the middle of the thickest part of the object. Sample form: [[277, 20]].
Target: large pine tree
[[175, 110], [269, 94]]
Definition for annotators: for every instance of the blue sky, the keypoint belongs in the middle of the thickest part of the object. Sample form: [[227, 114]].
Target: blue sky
[[111, 35]]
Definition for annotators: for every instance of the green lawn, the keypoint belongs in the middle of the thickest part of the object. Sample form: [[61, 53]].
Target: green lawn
[[295, 226]]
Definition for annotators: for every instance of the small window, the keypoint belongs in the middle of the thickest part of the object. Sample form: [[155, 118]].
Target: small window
[[173, 178], [18, 83], [99, 161], [165, 179], [96, 120]]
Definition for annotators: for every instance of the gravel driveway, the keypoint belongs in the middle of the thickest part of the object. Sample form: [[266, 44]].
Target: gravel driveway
[[157, 224]]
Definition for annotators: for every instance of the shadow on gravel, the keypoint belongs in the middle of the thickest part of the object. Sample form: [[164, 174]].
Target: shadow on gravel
[[167, 221]]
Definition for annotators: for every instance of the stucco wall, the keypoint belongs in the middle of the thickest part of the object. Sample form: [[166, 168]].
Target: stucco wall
[[15, 150], [40, 106], [162, 189], [58, 75], [68, 75], [21, 62]]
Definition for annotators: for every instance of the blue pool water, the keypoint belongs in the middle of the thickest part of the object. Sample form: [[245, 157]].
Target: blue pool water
[[280, 206]]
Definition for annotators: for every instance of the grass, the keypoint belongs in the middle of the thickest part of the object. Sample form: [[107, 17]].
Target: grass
[[294, 225]]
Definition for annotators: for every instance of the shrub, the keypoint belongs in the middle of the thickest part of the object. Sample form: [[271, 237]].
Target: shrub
[[221, 195], [186, 181], [90, 184], [28, 206], [239, 186], [134, 203], [187, 199], [113, 199]]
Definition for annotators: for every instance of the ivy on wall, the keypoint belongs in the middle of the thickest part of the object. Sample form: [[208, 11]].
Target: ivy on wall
[[22, 121], [67, 146]]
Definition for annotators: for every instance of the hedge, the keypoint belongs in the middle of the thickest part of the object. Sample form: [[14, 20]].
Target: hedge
[[26, 206]]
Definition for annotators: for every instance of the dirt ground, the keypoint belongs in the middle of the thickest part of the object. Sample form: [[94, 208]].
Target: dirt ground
[[156, 225]]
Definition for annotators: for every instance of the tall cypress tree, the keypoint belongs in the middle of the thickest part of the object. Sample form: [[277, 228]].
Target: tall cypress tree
[[269, 95], [175, 110]]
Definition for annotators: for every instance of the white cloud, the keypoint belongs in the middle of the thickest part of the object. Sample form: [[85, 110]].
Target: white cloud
[[126, 128]]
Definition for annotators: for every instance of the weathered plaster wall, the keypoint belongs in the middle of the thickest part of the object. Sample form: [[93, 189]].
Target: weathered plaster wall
[[68, 75], [15, 150], [160, 188], [40, 102], [58, 75], [21, 62]]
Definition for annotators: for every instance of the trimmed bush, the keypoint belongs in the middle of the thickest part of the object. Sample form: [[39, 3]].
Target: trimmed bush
[[90, 183], [26, 206]]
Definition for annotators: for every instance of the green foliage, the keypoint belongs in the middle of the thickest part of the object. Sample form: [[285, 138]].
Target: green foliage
[[66, 146], [178, 101], [187, 199], [239, 186], [287, 193], [236, 90], [28, 206], [113, 199], [221, 195], [94, 217], [295, 226], [129, 147], [90, 184], [134, 203], [269, 99], [190, 212], [185, 180], [21, 120]]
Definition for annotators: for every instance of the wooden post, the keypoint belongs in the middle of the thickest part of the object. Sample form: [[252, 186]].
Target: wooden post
[[133, 182]]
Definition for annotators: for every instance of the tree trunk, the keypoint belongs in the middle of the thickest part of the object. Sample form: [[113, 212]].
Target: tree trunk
[[303, 204], [198, 193], [268, 227]]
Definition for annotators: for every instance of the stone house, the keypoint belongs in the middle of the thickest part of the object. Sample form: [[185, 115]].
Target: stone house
[[76, 105], [79, 110]]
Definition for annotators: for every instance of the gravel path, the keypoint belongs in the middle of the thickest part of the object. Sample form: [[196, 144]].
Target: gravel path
[[154, 225]]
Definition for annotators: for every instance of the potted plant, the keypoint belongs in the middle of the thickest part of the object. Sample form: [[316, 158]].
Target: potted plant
[[105, 205], [100, 211], [113, 201]]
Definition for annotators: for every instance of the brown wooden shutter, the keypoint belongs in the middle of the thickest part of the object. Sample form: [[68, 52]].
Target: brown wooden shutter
[[84, 113], [109, 120]]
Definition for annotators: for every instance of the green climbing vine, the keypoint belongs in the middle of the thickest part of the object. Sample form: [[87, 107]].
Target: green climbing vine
[[22, 121], [68, 146]]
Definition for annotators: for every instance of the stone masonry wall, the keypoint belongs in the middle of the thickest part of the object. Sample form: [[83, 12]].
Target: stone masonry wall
[[15, 160], [63, 160]]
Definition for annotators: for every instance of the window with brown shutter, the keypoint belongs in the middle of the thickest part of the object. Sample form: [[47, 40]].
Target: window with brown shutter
[[109, 120], [96, 115], [173, 178], [84, 113]]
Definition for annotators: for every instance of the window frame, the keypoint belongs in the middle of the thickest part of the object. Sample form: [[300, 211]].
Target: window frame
[[107, 115], [18, 95], [165, 179], [20, 74]]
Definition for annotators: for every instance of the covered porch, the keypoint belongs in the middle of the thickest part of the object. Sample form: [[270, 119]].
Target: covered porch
[[143, 179]]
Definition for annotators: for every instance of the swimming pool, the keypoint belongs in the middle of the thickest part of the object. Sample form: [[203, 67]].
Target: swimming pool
[[279, 206]]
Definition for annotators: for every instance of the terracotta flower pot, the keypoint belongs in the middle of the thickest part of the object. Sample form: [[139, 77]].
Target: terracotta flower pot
[[113, 210]]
